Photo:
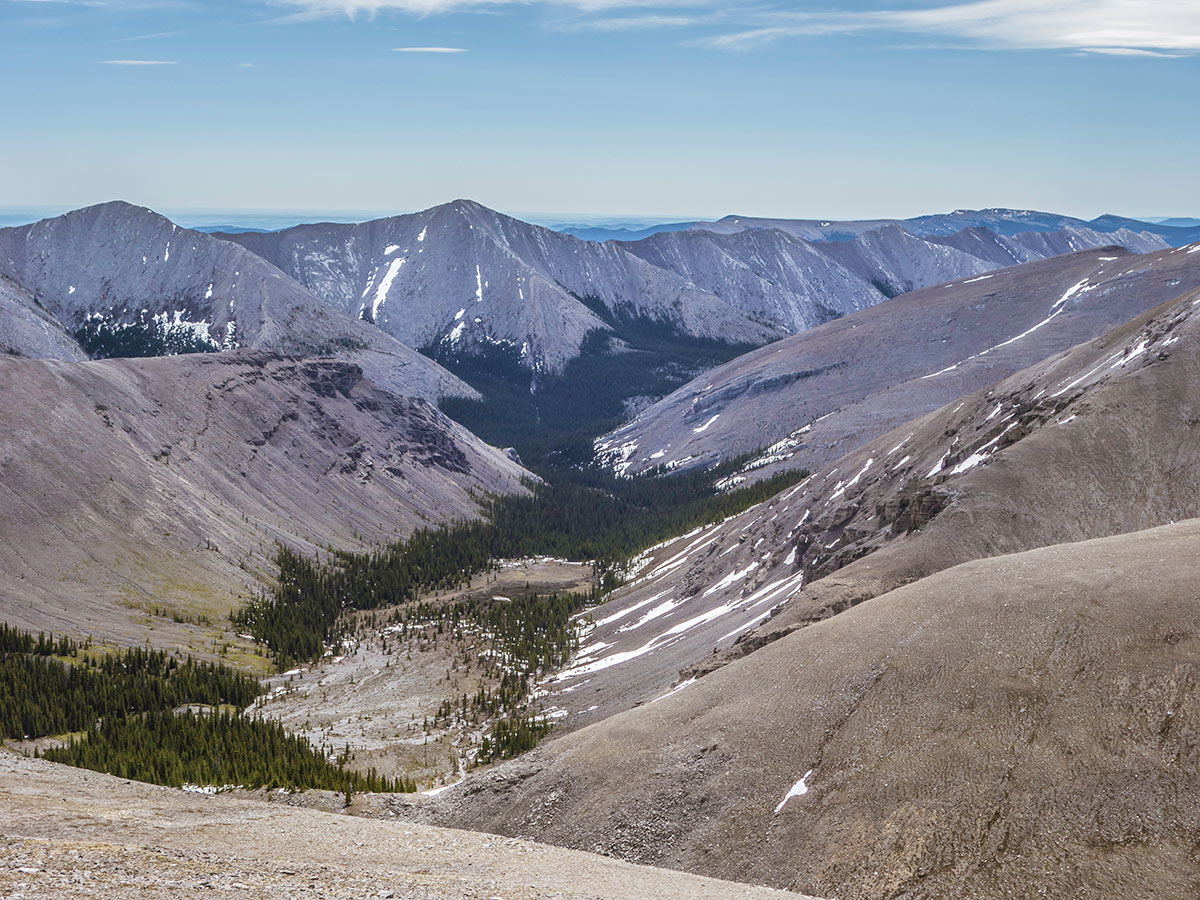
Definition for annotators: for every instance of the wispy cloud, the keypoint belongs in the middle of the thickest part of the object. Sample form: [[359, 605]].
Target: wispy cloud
[[637, 22], [138, 62], [1118, 27], [429, 49], [1130, 51], [1148, 28], [148, 37], [310, 9]]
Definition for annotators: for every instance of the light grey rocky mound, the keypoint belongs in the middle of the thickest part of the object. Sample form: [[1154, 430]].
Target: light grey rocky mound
[[115, 262]]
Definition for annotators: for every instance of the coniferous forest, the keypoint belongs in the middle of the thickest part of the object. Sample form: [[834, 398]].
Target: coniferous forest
[[212, 748], [586, 515], [125, 709]]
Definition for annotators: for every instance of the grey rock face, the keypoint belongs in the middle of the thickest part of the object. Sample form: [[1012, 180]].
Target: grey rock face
[[461, 275], [895, 261], [766, 273], [464, 275], [813, 397], [26, 329], [118, 260], [776, 274]]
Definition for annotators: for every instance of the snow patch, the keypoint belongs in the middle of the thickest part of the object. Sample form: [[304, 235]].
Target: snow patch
[[799, 789], [385, 286]]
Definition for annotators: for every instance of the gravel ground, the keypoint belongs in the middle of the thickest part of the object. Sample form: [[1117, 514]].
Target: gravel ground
[[78, 834]]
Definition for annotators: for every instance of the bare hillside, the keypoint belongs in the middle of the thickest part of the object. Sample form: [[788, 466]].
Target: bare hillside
[[140, 492], [1096, 441], [1020, 726], [816, 396]]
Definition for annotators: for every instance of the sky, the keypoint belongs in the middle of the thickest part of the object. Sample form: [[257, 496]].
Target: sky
[[650, 108]]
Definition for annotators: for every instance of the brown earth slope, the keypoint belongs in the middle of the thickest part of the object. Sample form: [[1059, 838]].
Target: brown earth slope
[[137, 492], [1021, 726]]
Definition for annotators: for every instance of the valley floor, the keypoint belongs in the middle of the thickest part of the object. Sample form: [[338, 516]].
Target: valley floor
[[380, 693], [73, 833]]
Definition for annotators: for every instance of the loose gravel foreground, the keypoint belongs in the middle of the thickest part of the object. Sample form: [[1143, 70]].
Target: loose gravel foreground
[[74, 833]]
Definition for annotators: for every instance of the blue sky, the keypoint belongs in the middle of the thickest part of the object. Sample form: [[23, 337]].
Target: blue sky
[[672, 108]]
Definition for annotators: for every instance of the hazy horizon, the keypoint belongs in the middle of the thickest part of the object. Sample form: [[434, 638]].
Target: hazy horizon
[[201, 218]]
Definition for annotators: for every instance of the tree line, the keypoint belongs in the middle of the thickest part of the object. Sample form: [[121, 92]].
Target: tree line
[[581, 515], [128, 710], [213, 748]]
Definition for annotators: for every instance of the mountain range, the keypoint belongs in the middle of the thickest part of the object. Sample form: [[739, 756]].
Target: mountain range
[[466, 276], [954, 657], [120, 273], [1004, 222]]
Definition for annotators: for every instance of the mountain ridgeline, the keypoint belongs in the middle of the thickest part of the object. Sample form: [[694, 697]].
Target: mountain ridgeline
[[956, 659]]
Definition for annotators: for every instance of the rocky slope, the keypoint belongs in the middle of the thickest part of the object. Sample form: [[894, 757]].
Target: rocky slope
[[74, 834], [1011, 720], [147, 496], [815, 396], [1018, 726], [115, 264], [462, 275], [1096, 441], [28, 329]]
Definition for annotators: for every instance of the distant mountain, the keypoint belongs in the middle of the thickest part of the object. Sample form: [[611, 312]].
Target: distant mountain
[[464, 277], [150, 494], [230, 229], [124, 278], [1002, 222], [767, 274], [1176, 222], [1173, 235], [617, 232], [813, 397]]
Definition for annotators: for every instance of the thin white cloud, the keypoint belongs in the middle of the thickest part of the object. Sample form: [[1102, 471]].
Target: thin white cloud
[[148, 37], [310, 9], [1121, 27], [429, 49], [646, 22], [1131, 51], [138, 62]]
